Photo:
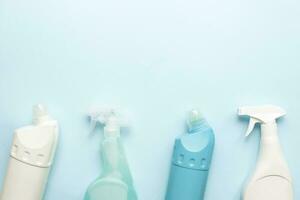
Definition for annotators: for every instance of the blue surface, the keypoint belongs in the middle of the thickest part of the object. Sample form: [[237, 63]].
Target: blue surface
[[157, 59]]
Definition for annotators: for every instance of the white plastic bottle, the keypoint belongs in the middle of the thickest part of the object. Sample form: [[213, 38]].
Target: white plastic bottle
[[31, 157], [272, 179]]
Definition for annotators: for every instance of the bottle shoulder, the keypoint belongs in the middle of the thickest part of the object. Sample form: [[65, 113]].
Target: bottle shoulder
[[35, 145], [197, 142], [194, 151]]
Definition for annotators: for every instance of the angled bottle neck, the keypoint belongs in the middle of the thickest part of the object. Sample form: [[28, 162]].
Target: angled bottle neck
[[271, 160], [270, 147], [198, 127], [269, 143], [269, 131]]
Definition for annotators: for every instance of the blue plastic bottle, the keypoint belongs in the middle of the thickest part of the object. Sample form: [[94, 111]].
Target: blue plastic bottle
[[191, 160]]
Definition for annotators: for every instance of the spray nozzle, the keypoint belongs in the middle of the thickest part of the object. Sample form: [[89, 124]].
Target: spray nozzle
[[109, 117], [260, 114]]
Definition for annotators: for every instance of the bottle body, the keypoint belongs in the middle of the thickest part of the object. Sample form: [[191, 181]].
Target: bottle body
[[115, 182], [271, 179], [192, 184], [24, 181], [31, 157], [190, 164]]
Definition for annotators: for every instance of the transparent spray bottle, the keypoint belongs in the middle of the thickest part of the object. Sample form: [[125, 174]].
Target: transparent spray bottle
[[115, 182]]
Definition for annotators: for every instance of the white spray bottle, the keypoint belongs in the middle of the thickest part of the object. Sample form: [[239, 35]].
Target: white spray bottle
[[31, 157], [272, 179]]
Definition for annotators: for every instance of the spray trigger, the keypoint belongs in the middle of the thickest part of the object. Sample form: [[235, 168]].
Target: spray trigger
[[260, 114], [93, 125], [251, 126], [109, 117]]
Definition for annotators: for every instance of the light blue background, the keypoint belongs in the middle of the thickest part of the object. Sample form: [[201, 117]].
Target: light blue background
[[156, 59]]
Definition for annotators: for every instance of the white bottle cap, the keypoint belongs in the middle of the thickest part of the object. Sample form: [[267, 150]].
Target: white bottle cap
[[40, 114]]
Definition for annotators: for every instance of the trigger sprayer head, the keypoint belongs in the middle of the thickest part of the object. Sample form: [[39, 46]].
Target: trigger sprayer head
[[260, 114], [108, 117], [40, 114]]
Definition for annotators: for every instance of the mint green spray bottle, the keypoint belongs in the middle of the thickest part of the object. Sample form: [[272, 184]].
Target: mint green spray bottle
[[115, 182]]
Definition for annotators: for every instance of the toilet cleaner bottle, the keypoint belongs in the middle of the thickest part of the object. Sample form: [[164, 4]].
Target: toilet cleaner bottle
[[31, 158], [191, 160]]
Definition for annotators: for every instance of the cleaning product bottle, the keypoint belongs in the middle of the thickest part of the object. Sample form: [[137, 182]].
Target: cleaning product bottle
[[115, 183], [31, 157], [191, 160], [271, 179]]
